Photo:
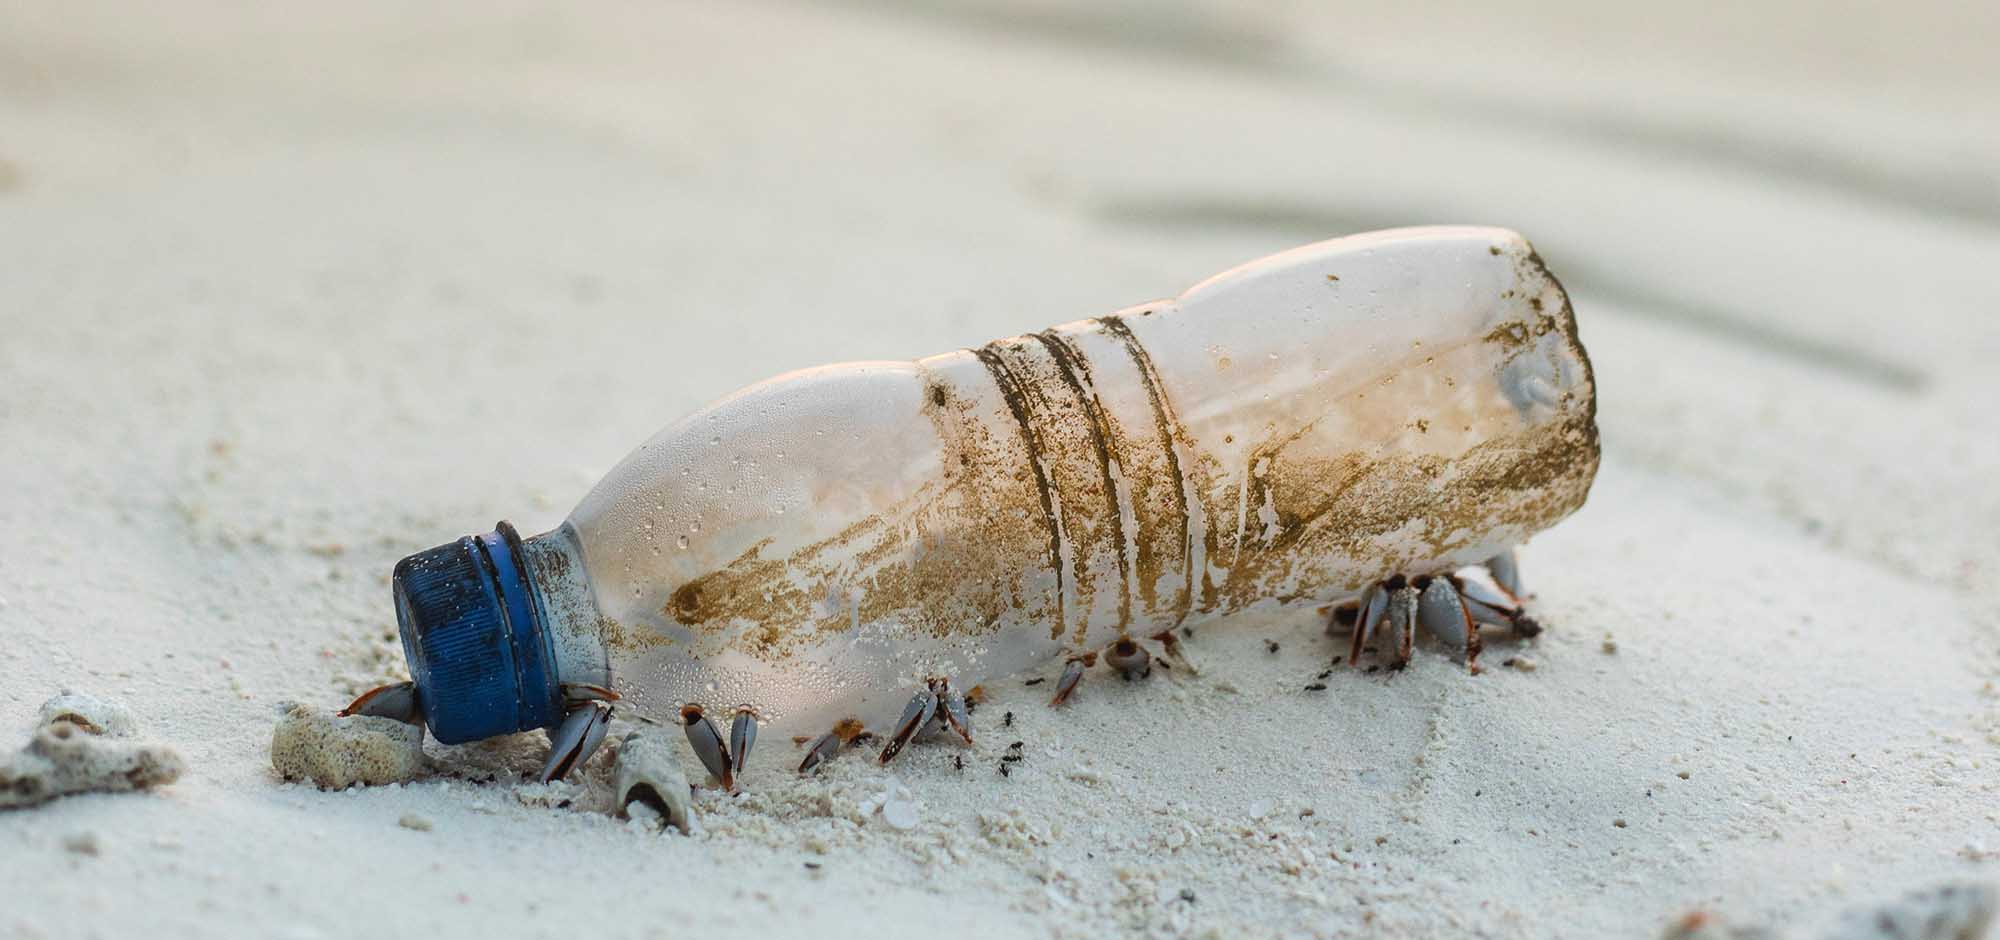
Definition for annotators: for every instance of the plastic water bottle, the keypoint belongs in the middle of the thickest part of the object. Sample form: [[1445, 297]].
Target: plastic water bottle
[[818, 546]]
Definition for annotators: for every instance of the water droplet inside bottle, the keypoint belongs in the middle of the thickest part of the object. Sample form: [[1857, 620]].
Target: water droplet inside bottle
[[682, 542]]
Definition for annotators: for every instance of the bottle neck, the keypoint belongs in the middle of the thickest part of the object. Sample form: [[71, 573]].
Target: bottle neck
[[567, 606]]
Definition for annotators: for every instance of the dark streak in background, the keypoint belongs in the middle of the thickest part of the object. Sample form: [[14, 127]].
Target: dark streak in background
[[1185, 34], [1737, 327]]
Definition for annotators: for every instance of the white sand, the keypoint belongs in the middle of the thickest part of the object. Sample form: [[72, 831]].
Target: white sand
[[285, 297]]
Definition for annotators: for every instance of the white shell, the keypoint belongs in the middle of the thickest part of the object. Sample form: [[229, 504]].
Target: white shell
[[647, 772]]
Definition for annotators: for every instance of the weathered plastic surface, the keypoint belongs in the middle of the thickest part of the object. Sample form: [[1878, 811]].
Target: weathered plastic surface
[[817, 544]]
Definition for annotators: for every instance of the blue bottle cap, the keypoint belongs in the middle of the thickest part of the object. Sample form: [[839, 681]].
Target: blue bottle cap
[[474, 638]]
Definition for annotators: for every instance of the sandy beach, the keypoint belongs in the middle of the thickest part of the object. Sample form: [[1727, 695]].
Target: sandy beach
[[287, 294]]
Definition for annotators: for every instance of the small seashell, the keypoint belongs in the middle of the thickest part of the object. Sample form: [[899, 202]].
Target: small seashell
[[107, 717], [75, 751], [648, 774]]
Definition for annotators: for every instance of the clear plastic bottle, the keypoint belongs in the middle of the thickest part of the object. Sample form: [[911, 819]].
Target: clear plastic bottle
[[817, 545]]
